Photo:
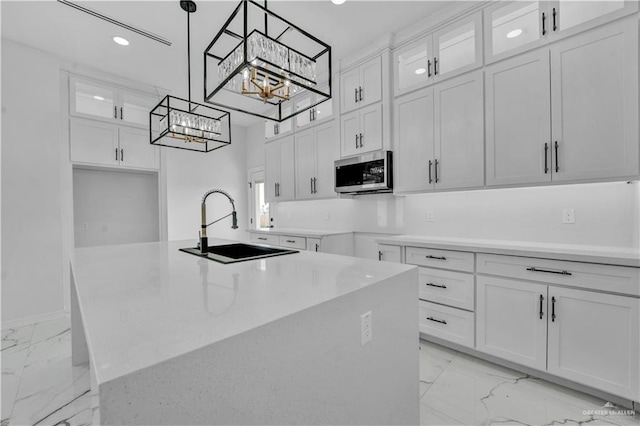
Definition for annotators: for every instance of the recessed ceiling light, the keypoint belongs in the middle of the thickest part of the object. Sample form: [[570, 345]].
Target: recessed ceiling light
[[121, 41], [337, 1], [98, 98], [514, 33], [420, 71]]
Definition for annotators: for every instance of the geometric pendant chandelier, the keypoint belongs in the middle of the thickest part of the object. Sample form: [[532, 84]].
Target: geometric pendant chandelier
[[184, 124], [261, 64]]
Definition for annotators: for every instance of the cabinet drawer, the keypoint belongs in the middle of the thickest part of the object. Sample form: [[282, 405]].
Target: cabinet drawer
[[446, 259], [273, 240], [293, 242], [609, 278], [454, 325], [446, 287]]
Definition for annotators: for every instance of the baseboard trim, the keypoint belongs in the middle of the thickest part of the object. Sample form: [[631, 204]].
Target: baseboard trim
[[19, 322]]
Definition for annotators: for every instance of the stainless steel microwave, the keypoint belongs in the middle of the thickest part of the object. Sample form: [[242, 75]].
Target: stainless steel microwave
[[367, 173]]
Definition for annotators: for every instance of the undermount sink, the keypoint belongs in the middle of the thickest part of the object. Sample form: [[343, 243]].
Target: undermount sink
[[238, 252]]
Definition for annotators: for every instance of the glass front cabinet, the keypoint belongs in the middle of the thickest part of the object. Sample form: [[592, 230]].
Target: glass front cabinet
[[451, 51]]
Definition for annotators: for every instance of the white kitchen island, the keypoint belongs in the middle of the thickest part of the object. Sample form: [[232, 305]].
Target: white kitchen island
[[176, 339]]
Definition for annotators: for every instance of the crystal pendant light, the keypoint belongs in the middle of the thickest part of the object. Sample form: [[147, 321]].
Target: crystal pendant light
[[184, 124], [259, 63]]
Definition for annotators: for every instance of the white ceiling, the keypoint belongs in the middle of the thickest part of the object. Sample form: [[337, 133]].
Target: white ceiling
[[80, 38]]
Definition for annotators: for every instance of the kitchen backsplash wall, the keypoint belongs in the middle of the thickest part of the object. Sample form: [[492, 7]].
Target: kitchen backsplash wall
[[606, 214]]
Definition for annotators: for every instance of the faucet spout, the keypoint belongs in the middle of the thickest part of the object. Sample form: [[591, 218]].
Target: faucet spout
[[204, 244]]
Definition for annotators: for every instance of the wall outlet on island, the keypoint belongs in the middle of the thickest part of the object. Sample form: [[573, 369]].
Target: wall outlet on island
[[568, 216], [429, 215], [366, 332]]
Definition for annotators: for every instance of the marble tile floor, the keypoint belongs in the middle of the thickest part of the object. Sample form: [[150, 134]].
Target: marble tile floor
[[41, 387]]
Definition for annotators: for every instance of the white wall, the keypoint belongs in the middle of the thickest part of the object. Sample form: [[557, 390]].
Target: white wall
[[255, 145], [191, 174], [607, 214], [31, 184]]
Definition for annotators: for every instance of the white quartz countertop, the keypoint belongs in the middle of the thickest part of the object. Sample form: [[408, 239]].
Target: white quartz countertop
[[571, 252], [298, 232], [145, 303]]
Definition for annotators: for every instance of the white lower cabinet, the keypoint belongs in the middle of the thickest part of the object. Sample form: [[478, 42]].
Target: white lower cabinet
[[105, 144], [511, 320], [589, 337], [454, 325], [314, 244], [389, 253], [594, 339]]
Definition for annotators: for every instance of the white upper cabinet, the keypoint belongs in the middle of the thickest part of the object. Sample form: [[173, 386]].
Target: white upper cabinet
[[413, 65], [414, 143], [514, 27], [136, 151], [316, 150], [446, 53], [361, 86], [569, 17], [362, 131], [315, 114], [96, 100], [274, 129], [594, 103], [458, 47], [518, 122], [280, 170]]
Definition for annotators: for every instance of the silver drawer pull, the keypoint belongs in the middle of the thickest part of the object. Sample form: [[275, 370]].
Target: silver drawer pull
[[290, 241], [532, 269], [436, 285], [436, 257], [261, 238], [437, 320]]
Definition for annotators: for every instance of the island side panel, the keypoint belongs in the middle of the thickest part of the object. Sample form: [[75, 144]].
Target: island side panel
[[79, 347], [307, 368]]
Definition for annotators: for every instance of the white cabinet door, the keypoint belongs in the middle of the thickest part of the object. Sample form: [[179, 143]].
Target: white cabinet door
[[327, 152], [414, 144], [136, 151], [389, 253], [518, 121], [513, 27], [350, 136], [594, 95], [569, 17], [313, 244], [134, 107], [94, 142], [286, 187], [459, 132], [323, 110], [305, 164], [370, 82], [303, 118], [272, 170], [413, 65], [91, 99], [593, 339], [349, 90], [511, 320], [370, 129], [458, 47], [269, 129]]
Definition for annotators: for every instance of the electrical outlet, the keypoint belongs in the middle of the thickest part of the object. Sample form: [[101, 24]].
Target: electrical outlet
[[429, 216], [568, 216], [366, 330], [85, 226]]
